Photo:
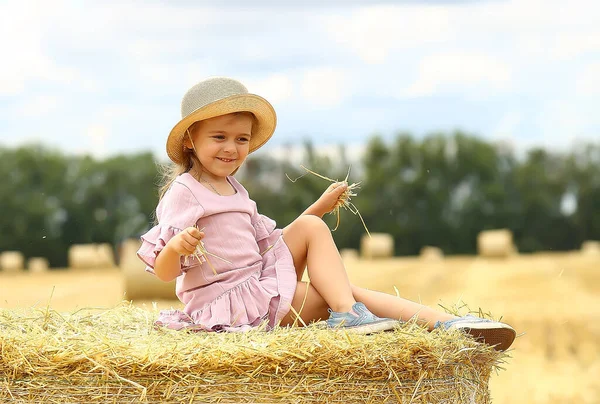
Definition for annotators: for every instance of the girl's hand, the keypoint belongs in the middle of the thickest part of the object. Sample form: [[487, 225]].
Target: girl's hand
[[186, 241], [326, 202]]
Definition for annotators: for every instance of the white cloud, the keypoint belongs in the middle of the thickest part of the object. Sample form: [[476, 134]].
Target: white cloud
[[587, 81], [23, 57], [152, 31], [460, 72], [296, 154], [23, 40], [156, 72], [510, 56], [569, 45], [147, 48], [276, 88], [525, 34], [508, 124], [565, 122], [97, 136], [375, 32], [325, 86], [37, 106], [252, 50], [113, 112]]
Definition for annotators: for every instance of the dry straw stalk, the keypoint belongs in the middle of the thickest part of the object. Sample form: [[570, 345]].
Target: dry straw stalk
[[201, 254], [344, 200], [117, 355]]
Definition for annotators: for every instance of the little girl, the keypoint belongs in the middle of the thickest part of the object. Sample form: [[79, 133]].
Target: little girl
[[252, 271]]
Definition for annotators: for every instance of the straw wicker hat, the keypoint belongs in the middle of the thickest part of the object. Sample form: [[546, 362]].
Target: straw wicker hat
[[220, 96]]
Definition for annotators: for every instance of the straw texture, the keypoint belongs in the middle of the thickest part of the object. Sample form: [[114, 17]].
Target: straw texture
[[117, 356]]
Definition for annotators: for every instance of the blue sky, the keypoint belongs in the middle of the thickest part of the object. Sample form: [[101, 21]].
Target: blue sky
[[107, 77]]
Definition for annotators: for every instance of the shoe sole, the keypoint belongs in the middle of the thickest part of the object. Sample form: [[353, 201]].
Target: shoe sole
[[498, 335], [370, 328]]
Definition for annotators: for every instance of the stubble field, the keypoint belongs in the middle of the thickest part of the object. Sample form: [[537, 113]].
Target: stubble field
[[553, 301]]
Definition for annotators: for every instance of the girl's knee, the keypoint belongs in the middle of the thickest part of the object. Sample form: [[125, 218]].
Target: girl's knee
[[311, 222], [303, 230]]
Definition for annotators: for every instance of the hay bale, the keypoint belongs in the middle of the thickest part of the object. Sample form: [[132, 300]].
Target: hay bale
[[590, 248], [106, 256], [349, 254], [56, 357], [12, 261], [88, 256], [138, 284], [37, 265], [83, 256], [430, 253], [495, 243], [379, 245]]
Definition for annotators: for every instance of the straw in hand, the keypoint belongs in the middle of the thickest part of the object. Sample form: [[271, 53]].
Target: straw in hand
[[344, 199], [201, 254]]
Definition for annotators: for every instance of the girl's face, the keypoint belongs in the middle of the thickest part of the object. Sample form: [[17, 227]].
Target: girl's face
[[222, 143]]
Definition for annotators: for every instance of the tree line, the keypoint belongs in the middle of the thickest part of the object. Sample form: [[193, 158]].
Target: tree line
[[441, 190]]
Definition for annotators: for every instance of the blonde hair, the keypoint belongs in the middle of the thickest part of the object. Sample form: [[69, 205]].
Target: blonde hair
[[169, 172]]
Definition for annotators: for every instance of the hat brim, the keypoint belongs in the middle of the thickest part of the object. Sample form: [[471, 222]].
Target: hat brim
[[266, 120]]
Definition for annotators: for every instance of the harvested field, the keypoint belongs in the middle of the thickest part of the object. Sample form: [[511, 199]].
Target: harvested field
[[553, 299]]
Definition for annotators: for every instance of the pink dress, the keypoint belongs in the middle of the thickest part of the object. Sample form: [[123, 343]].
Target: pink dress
[[257, 282]]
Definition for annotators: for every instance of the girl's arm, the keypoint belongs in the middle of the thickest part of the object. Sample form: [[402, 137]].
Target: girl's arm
[[326, 202], [168, 262]]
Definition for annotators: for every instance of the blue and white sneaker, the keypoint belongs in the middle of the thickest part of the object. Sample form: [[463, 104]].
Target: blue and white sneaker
[[360, 320], [494, 333]]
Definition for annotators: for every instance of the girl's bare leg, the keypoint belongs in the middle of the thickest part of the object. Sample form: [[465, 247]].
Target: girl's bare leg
[[391, 306], [308, 303], [312, 307], [312, 246]]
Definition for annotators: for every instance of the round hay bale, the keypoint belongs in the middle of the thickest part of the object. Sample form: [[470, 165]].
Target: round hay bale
[[349, 254], [430, 253], [495, 243], [37, 265], [379, 245], [86, 256], [83, 256], [591, 248], [12, 261], [106, 257], [139, 284]]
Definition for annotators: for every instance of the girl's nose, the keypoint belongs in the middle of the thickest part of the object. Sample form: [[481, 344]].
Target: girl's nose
[[229, 147]]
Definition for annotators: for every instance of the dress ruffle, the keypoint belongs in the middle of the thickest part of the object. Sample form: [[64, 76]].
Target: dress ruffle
[[246, 305], [154, 241], [265, 297], [264, 227], [240, 308]]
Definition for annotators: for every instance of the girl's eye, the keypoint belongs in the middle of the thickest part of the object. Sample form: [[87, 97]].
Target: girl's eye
[[244, 139], [220, 137]]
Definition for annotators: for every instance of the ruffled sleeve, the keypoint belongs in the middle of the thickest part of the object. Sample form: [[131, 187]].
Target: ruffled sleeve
[[264, 227], [177, 210]]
